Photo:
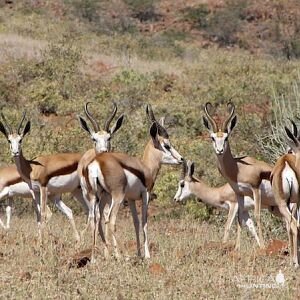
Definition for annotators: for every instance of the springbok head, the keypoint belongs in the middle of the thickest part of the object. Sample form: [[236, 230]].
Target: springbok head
[[293, 138], [14, 138], [220, 135], [101, 137], [184, 184], [161, 141]]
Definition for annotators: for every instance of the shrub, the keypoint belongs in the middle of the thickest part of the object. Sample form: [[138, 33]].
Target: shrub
[[198, 15], [221, 25], [273, 142]]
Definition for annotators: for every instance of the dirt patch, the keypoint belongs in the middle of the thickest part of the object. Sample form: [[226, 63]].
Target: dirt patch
[[130, 246], [25, 276], [274, 248], [156, 269], [218, 245]]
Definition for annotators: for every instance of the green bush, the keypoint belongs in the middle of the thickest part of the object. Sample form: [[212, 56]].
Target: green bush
[[199, 15]]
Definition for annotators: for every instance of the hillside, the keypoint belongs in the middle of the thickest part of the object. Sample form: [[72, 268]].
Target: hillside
[[176, 55]]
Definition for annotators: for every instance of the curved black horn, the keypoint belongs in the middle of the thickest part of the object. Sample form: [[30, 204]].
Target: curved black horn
[[207, 106], [21, 123], [231, 109], [6, 124], [150, 113], [161, 130], [295, 129], [90, 117], [109, 119]]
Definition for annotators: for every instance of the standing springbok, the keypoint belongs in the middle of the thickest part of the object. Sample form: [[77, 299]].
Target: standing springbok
[[126, 177], [51, 174], [285, 184], [221, 197], [101, 140], [11, 185], [246, 175]]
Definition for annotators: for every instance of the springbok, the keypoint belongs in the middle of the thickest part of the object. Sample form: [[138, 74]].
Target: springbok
[[221, 197], [285, 184], [246, 175], [126, 177], [11, 185], [101, 140], [51, 174]]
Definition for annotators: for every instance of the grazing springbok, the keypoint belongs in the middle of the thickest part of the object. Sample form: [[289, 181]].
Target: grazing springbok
[[246, 175], [221, 197], [126, 177], [51, 174], [285, 184]]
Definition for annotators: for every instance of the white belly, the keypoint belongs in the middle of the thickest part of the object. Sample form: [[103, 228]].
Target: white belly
[[135, 187], [248, 203], [60, 184], [242, 188], [19, 189], [267, 197]]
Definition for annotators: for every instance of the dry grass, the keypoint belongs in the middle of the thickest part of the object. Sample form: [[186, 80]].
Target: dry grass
[[188, 262], [14, 46]]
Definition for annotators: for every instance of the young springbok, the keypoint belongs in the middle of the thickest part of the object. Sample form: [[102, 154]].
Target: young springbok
[[285, 184], [126, 177], [221, 197], [246, 175]]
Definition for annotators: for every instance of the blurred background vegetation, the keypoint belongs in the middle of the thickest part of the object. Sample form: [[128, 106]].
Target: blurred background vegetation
[[56, 55]]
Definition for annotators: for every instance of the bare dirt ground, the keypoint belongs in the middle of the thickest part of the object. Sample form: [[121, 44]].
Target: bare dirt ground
[[188, 262]]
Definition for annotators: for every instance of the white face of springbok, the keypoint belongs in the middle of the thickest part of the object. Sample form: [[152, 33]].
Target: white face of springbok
[[101, 138], [184, 184], [168, 154], [161, 141], [14, 138], [219, 136], [183, 191]]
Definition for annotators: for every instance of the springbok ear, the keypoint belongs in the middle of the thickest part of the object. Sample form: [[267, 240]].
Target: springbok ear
[[26, 128], [3, 130], [206, 123], [291, 136], [154, 132], [232, 124], [117, 125], [162, 121], [191, 168], [84, 125]]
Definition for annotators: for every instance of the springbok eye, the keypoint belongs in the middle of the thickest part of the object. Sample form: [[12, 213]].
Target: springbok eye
[[182, 184], [226, 139], [213, 138]]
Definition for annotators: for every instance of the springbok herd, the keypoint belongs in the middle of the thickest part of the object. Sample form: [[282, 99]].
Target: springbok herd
[[101, 180]]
